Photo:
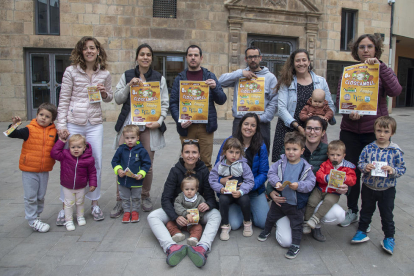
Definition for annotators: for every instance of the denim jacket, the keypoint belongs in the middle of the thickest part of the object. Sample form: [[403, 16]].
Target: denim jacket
[[288, 97]]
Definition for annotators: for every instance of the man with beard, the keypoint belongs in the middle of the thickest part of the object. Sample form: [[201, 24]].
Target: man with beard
[[253, 58], [188, 130]]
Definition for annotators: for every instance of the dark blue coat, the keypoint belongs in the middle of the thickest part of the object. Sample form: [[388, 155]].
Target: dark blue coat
[[260, 167], [216, 96], [136, 159]]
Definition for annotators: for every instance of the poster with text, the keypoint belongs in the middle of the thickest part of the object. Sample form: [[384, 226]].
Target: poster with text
[[145, 103], [250, 96], [194, 101], [359, 89], [94, 94]]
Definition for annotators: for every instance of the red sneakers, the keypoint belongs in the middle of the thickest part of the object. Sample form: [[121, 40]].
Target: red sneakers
[[198, 255], [126, 218], [134, 216], [175, 254]]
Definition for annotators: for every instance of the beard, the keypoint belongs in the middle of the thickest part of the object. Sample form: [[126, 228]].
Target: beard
[[253, 66]]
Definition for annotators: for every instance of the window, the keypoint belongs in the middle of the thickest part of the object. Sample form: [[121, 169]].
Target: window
[[348, 27], [47, 17], [164, 8], [169, 65], [333, 74]]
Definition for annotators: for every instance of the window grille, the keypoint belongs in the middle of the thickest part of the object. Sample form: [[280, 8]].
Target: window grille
[[165, 8], [348, 27]]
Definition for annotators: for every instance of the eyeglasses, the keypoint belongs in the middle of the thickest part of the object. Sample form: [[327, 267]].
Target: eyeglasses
[[363, 47], [190, 141], [316, 129], [252, 57]]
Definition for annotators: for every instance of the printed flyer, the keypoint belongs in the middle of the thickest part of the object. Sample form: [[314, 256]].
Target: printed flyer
[[145, 103], [94, 94], [12, 128], [250, 96], [195, 214], [378, 171], [336, 179], [231, 186], [359, 89], [194, 99]]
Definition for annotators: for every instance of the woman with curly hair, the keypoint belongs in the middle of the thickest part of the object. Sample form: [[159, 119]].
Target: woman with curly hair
[[77, 114], [295, 86]]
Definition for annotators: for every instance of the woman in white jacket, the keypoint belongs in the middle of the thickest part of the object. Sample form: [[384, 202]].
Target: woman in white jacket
[[77, 114], [152, 134]]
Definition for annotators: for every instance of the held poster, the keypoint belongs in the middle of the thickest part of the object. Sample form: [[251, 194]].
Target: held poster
[[145, 103], [194, 101], [359, 89], [250, 96], [336, 179], [94, 94]]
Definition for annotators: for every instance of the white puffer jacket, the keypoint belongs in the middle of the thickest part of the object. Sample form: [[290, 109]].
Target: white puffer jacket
[[74, 106]]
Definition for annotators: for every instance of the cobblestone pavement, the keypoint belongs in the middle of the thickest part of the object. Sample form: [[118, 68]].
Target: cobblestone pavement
[[109, 247]]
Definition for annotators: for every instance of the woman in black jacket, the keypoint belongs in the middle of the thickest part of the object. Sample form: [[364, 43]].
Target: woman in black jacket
[[189, 161]]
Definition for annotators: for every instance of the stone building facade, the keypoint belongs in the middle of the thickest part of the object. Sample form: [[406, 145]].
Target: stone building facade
[[223, 29]]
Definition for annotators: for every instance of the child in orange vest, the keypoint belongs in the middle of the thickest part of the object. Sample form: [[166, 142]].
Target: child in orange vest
[[35, 162]]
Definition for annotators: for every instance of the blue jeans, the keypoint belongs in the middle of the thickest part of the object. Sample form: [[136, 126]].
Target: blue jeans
[[258, 206]]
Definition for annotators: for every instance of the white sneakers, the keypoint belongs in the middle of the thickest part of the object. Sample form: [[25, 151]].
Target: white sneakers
[[81, 221], [225, 232], [178, 237], [192, 241], [40, 226], [70, 226]]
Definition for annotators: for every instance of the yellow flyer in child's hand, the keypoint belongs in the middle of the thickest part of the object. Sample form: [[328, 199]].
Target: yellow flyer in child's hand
[[336, 179], [145, 103], [250, 96], [12, 128], [94, 94], [194, 102], [195, 214], [286, 183], [231, 186], [129, 173]]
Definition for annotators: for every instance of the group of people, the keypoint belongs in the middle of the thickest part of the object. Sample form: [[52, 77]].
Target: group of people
[[195, 192]]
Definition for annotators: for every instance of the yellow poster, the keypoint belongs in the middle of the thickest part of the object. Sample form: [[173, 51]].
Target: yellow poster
[[194, 101], [250, 96], [94, 94], [145, 103], [359, 89]]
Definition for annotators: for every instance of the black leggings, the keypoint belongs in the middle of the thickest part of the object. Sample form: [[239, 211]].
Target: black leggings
[[243, 202]]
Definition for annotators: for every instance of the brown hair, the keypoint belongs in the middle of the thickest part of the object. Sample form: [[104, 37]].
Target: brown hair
[[77, 137], [77, 54], [288, 70], [49, 107], [337, 145], [232, 143], [386, 122], [189, 176], [295, 138], [376, 40], [131, 128]]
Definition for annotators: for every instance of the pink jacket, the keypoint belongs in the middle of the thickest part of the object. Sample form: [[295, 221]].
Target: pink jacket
[[74, 106], [388, 86], [75, 172]]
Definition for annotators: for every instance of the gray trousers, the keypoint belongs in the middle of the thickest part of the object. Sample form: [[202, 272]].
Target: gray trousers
[[128, 194], [34, 186]]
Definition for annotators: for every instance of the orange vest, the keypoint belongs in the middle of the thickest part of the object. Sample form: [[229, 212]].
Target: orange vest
[[35, 156]]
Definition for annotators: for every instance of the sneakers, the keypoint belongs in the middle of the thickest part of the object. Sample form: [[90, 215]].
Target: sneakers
[[126, 218], [40, 226], [198, 255], [263, 236], [369, 228], [312, 222], [146, 204], [69, 225], [118, 210], [360, 237], [317, 235], [388, 245], [61, 218], [306, 228], [349, 218], [175, 254], [248, 229], [292, 252], [81, 221], [192, 241], [225, 230], [178, 237], [134, 216], [97, 212]]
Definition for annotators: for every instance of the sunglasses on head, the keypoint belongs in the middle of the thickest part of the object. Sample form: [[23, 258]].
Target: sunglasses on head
[[190, 141]]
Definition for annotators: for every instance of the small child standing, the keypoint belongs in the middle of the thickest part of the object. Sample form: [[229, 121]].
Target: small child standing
[[232, 163], [132, 156], [299, 181], [328, 195], [377, 189], [316, 106], [188, 199], [77, 168], [35, 161]]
